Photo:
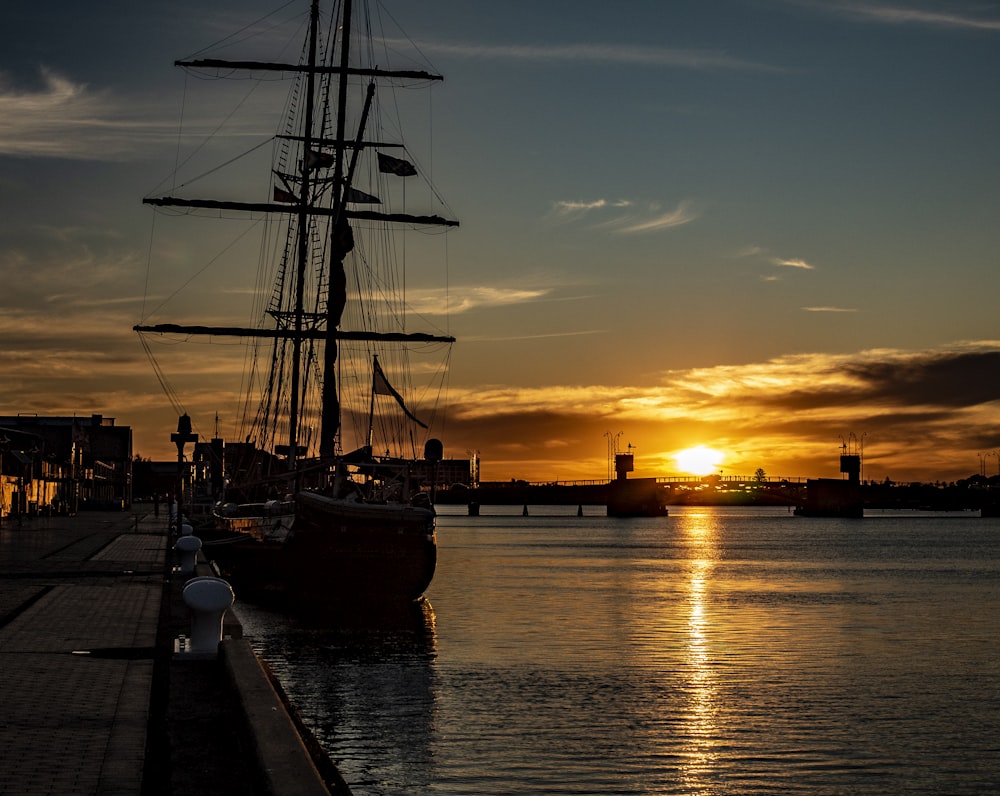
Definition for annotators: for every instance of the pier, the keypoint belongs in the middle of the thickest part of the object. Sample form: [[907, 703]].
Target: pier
[[674, 490], [94, 699], [972, 494]]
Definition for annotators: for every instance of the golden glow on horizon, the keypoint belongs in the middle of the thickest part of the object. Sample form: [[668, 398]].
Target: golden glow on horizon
[[698, 460]]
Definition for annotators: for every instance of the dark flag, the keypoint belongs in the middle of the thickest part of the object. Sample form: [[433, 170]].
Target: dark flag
[[360, 197], [281, 195], [390, 165], [322, 160], [381, 386]]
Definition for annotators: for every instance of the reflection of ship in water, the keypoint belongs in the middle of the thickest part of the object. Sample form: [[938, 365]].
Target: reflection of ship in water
[[352, 677], [835, 497]]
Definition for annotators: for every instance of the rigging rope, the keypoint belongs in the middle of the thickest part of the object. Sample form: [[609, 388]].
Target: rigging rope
[[161, 377]]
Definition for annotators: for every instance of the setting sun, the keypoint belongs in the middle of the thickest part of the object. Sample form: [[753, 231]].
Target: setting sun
[[698, 460]]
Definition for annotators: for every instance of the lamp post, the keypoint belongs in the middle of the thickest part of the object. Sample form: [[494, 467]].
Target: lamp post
[[32, 481], [180, 439]]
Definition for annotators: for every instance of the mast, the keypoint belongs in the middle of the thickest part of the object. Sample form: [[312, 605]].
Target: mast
[[297, 324], [341, 243], [303, 243]]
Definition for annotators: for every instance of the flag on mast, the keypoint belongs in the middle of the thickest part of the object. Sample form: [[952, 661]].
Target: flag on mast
[[387, 164], [381, 386]]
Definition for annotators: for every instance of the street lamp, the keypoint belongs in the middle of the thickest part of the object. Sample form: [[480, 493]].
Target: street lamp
[[32, 482], [180, 439]]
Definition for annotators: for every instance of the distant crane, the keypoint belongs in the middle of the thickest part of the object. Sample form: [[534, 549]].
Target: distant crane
[[612, 450]]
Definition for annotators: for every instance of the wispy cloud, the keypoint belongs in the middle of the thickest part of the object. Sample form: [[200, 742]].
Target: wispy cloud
[[465, 298], [923, 411], [509, 338], [668, 57], [909, 15], [684, 213], [750, 250], [571, 209], [60, 118], [829, 309], [793, 263], [629, 217]]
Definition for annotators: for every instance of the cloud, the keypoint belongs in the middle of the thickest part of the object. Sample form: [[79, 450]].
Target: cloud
[[793, 263], [908, 15], [680, 215], [570, 209], [64, 119], [829, 309], [924, 414], [635, 220], [628, 54], [462, 299], [484, 339]]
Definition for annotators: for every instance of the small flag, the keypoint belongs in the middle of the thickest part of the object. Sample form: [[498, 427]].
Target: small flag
[[281, 195], [360, 197], [323, 160], [390, 165], [381, 386]]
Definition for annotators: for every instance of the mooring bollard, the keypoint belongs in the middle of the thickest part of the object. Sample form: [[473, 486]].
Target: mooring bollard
[[187, 547], [208, 598]]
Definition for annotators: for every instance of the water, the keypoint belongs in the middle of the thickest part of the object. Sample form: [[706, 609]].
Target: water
[[713, 651]]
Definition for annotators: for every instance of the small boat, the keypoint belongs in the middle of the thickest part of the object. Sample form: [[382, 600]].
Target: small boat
[[314, 510]]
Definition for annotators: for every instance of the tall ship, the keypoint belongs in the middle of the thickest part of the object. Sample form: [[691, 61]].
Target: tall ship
[[329, 494]]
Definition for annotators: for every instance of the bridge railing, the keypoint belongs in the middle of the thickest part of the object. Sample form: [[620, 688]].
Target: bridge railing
[[668, 480]]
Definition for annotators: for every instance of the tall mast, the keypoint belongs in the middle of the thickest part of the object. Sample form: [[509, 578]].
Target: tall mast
[[303, 241], [302, 327], [341, 243]]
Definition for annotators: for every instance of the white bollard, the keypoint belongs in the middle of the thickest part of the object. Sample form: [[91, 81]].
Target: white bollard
[[188, 547], [209, 599]]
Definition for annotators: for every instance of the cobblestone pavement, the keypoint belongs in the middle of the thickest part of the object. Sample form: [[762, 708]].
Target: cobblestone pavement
[[92, 698], [79, 604]]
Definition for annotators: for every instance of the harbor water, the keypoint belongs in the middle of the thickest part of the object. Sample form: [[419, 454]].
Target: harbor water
[[714, 651]]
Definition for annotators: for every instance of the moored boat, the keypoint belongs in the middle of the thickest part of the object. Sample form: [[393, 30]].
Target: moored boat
[[302, 518]]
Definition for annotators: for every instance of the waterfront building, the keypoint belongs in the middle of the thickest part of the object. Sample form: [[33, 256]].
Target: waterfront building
[[63, 464]]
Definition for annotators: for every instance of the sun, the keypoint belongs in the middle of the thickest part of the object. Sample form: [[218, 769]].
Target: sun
[[698, 460]]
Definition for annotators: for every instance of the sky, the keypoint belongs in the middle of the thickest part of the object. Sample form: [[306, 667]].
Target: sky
[[767, 227]]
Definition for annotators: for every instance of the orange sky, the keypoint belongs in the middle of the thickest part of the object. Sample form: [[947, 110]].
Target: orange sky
[[763, 230]]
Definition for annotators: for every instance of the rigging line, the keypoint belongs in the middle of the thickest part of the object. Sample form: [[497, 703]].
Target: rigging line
[[222, 42], [205, 267], [447, 286], [180, 133], [223, 165], [161, 377], [207, 138], [149, 267], [403, 33]]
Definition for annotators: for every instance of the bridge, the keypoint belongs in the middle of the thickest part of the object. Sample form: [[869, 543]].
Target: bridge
[[675, 489]]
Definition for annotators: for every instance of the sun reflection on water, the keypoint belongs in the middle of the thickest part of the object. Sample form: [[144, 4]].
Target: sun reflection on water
[[700, 718]]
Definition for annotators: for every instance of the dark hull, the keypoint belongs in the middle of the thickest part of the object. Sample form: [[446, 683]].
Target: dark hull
[[338, 553]]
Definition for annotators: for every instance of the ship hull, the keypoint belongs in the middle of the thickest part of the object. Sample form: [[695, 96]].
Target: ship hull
[[338, 553]]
